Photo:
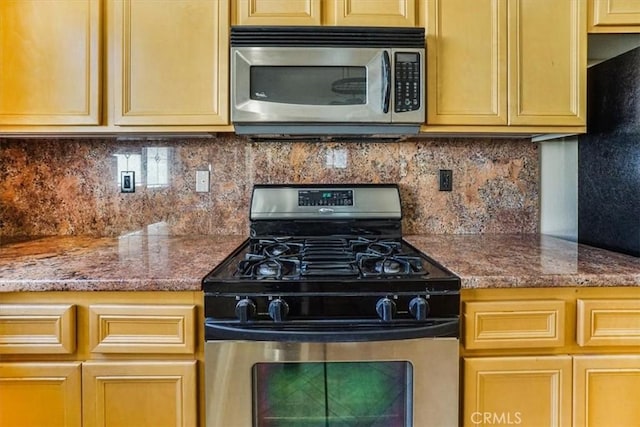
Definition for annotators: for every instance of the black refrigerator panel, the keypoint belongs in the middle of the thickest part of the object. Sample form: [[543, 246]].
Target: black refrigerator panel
[[609, 157]]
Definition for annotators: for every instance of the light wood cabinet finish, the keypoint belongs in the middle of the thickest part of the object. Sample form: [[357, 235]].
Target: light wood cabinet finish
[[591, 378], [614, 16], [276, 12], [375, 13], [608, 322], [547, 62], [514, 324], [50, 62], [526, 391], [606, 390], [382, 13], [37, 328], [169, 62], [164, 329], [467, 70], [134, 364], [517, 65], [38, 394], [158, 394]]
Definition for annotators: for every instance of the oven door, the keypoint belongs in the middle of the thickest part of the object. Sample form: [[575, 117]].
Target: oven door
[[289, 84], [399, 383]]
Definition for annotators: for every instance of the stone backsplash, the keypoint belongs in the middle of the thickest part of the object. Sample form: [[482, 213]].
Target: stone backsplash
[[70, 186]]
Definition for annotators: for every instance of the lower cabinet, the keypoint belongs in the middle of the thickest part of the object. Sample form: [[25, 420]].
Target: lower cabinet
[[526, 391], [37, 394], [606, 390], [107, 359], [551, 357], [158, 394]]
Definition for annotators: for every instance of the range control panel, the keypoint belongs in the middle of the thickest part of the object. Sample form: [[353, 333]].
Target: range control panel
[[325, 197]]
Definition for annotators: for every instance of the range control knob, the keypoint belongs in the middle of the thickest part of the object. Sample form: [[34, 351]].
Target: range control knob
[[386, 308], [278, 309], [245, 310], [419, 308]]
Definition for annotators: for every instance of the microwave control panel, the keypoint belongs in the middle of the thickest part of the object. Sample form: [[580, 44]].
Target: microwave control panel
[[407, 78]]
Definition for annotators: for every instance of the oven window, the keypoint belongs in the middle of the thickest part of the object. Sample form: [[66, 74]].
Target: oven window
[[309, 85], [333, 394]]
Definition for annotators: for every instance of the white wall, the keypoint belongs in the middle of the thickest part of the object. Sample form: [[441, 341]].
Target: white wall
[[559, 187]]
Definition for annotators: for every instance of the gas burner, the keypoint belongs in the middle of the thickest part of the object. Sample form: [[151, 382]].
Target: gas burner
[[397, 265], [258, 268]]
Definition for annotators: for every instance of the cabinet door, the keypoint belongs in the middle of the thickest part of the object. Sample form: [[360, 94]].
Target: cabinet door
[[467, 62], [547, 62], [170, 62], [614, 16], [276, 12], [49, 62], [606, 390], [374, 13], [141, 394], [40, 394], [524, 391]]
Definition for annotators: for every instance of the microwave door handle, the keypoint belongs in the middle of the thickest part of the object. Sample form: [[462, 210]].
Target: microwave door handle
[[386, 77]]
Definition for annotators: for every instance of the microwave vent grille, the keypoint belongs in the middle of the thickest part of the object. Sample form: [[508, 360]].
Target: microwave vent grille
[[315, 36]]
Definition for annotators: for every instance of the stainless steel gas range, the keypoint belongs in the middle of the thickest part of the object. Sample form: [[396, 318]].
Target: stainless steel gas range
[[325, 316]]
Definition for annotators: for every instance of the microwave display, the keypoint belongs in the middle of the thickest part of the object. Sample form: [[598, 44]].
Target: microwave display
[[309, 85]]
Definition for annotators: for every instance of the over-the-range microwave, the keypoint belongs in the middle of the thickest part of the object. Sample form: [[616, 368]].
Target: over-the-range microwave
[[327, 80]]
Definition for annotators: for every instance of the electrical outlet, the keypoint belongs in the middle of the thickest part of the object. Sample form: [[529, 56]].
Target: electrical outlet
[[446, 179], [202, 181], [127, 182]]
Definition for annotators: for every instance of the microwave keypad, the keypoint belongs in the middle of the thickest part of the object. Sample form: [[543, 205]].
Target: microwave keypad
[[407, 75]]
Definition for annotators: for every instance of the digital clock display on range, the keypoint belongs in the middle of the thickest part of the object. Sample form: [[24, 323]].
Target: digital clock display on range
[[325, 197]]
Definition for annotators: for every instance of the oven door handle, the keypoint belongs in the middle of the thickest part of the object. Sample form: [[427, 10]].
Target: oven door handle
[[313, 333]]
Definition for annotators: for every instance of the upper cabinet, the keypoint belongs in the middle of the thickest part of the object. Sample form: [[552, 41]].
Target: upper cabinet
[[168, 62], [614, 16], [519, 65], [50, 62], [385, 13]]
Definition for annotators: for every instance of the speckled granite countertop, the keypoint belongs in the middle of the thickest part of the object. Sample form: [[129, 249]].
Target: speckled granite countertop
[[142, 262], [527, 261], [134, 262]]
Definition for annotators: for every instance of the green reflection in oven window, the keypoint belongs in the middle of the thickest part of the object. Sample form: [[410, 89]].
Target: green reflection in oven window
[[332, 394]]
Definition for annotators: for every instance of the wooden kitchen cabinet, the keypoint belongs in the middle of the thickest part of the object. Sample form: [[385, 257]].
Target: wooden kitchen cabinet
[[37, 394], [149, 393], [614, 16], [551, 356], [383, 13], [526, 391], [606, 390], [168, 62], [518, 65], [50, 62], [109, 359]]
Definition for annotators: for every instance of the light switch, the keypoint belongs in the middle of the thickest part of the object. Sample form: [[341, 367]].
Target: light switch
[[127, 182], [202, 181]]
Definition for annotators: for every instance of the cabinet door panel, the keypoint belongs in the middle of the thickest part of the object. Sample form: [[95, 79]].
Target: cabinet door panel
[[615, 13], [40, 394], [606, 391], [547, 66], [527, 391], [170, 62], [467, 69], [37, 328], [49, 62], [277, 12], [153, 394], [383, 13]]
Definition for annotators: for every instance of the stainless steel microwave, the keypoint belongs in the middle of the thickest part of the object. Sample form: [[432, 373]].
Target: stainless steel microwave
[[327, 80]]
